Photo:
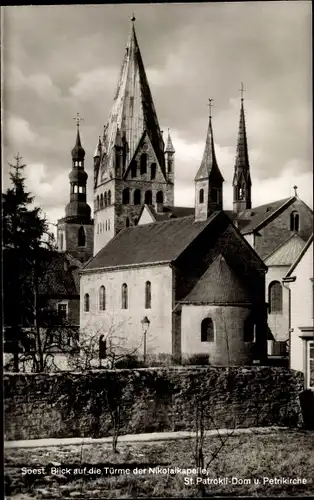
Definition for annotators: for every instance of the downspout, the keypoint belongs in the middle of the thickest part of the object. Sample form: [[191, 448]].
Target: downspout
[[290, 330]]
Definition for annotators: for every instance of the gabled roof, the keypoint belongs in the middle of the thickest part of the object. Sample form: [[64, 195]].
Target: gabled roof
[[286, 253], [219, 285], [299, 257], [257, 216], [149, 243], [168, 212], [209, 166], [133, 110]]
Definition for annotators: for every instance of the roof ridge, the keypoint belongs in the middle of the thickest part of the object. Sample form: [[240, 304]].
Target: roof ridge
[[282, 244], [297, 260]]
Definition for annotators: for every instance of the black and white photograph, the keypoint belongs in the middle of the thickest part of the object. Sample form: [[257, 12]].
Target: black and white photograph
[[157, 250]]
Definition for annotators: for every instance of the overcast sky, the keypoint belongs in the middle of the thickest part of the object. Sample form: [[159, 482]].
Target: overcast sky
[[58, 60]]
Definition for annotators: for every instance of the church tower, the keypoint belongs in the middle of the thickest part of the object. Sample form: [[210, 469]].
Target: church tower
[[130, 166], [208, 180], [242, 179], [75, 230]]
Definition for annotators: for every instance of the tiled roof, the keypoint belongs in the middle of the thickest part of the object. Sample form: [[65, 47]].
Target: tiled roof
[[148, 243], [286, 253], [219, 285], [256, 216], [61, 277], [299, 257], [171, 212]]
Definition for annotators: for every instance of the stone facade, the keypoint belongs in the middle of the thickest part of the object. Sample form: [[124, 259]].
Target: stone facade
[[278, 230], [111, 219], [69, 241], [126, 323], [150, 400]]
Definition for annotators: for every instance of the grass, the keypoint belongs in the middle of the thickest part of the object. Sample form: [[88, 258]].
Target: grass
[[287, 454]]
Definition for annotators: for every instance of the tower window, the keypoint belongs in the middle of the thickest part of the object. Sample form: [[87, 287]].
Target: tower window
[[124, 292], [106, 225], [169, 164], [80, 189], [63, 311], [143, 163], [126, 196], [102, 298], [101, 201], [148, 295], [137, 197], [249, 329], [127, 222], [61, 240], [86, 302], [275, 297], [81, 237], [75, 188], [133, 168], [109, 197], [201, 196], [160, 197], [97, 204], [294, 221], [207, 330], [148, 198], [241, 193], [105, 199], [153, 171]]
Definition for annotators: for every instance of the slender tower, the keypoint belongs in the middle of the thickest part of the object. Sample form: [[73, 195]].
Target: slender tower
[[208, 180], [75, 230], [242, 179], [129, 162]]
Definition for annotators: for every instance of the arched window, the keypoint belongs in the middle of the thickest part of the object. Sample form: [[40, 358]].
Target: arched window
[[97, 204], [294, 221], [106, 225], [160, 197], [153, 171], [101, 201], [148, 295], [105, 199], [207, 330], [249, 329], [169, 164], [143, 163], [133, 168], [61, 240], [137, 197], [241, 193], [127, 222], [75, 188], [124, 292], [81, 237], [201, 196], [148, 198], [102, 298], [126, 196], [275, 297], [86, 302], [109, 197]]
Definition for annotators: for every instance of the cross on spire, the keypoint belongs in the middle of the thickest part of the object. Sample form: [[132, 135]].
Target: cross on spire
[[242, 90], [210, 105], [133, 18], [295, 190], [78, 119]]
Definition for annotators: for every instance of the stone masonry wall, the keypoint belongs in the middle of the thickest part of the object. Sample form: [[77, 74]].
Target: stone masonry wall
[[157, 399]]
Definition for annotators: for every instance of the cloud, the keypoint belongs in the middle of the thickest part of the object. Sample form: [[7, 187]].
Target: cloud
[[94, 82], [18, 131], [40, 83]]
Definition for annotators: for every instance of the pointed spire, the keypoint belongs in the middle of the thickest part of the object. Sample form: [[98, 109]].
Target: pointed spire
[[97, 153], [209, 163], [133, 110], [78, 153], [169, 145], [242, 157]]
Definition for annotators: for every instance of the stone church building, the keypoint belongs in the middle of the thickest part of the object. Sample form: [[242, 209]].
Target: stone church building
[[195, 276]]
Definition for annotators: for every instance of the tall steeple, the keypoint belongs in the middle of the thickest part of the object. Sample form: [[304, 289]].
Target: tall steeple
[[75, 230], [130, 159], [208, 180], [242, 179], [169, 156]]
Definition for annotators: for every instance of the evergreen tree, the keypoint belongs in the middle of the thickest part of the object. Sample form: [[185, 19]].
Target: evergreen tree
[[23, 231]]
